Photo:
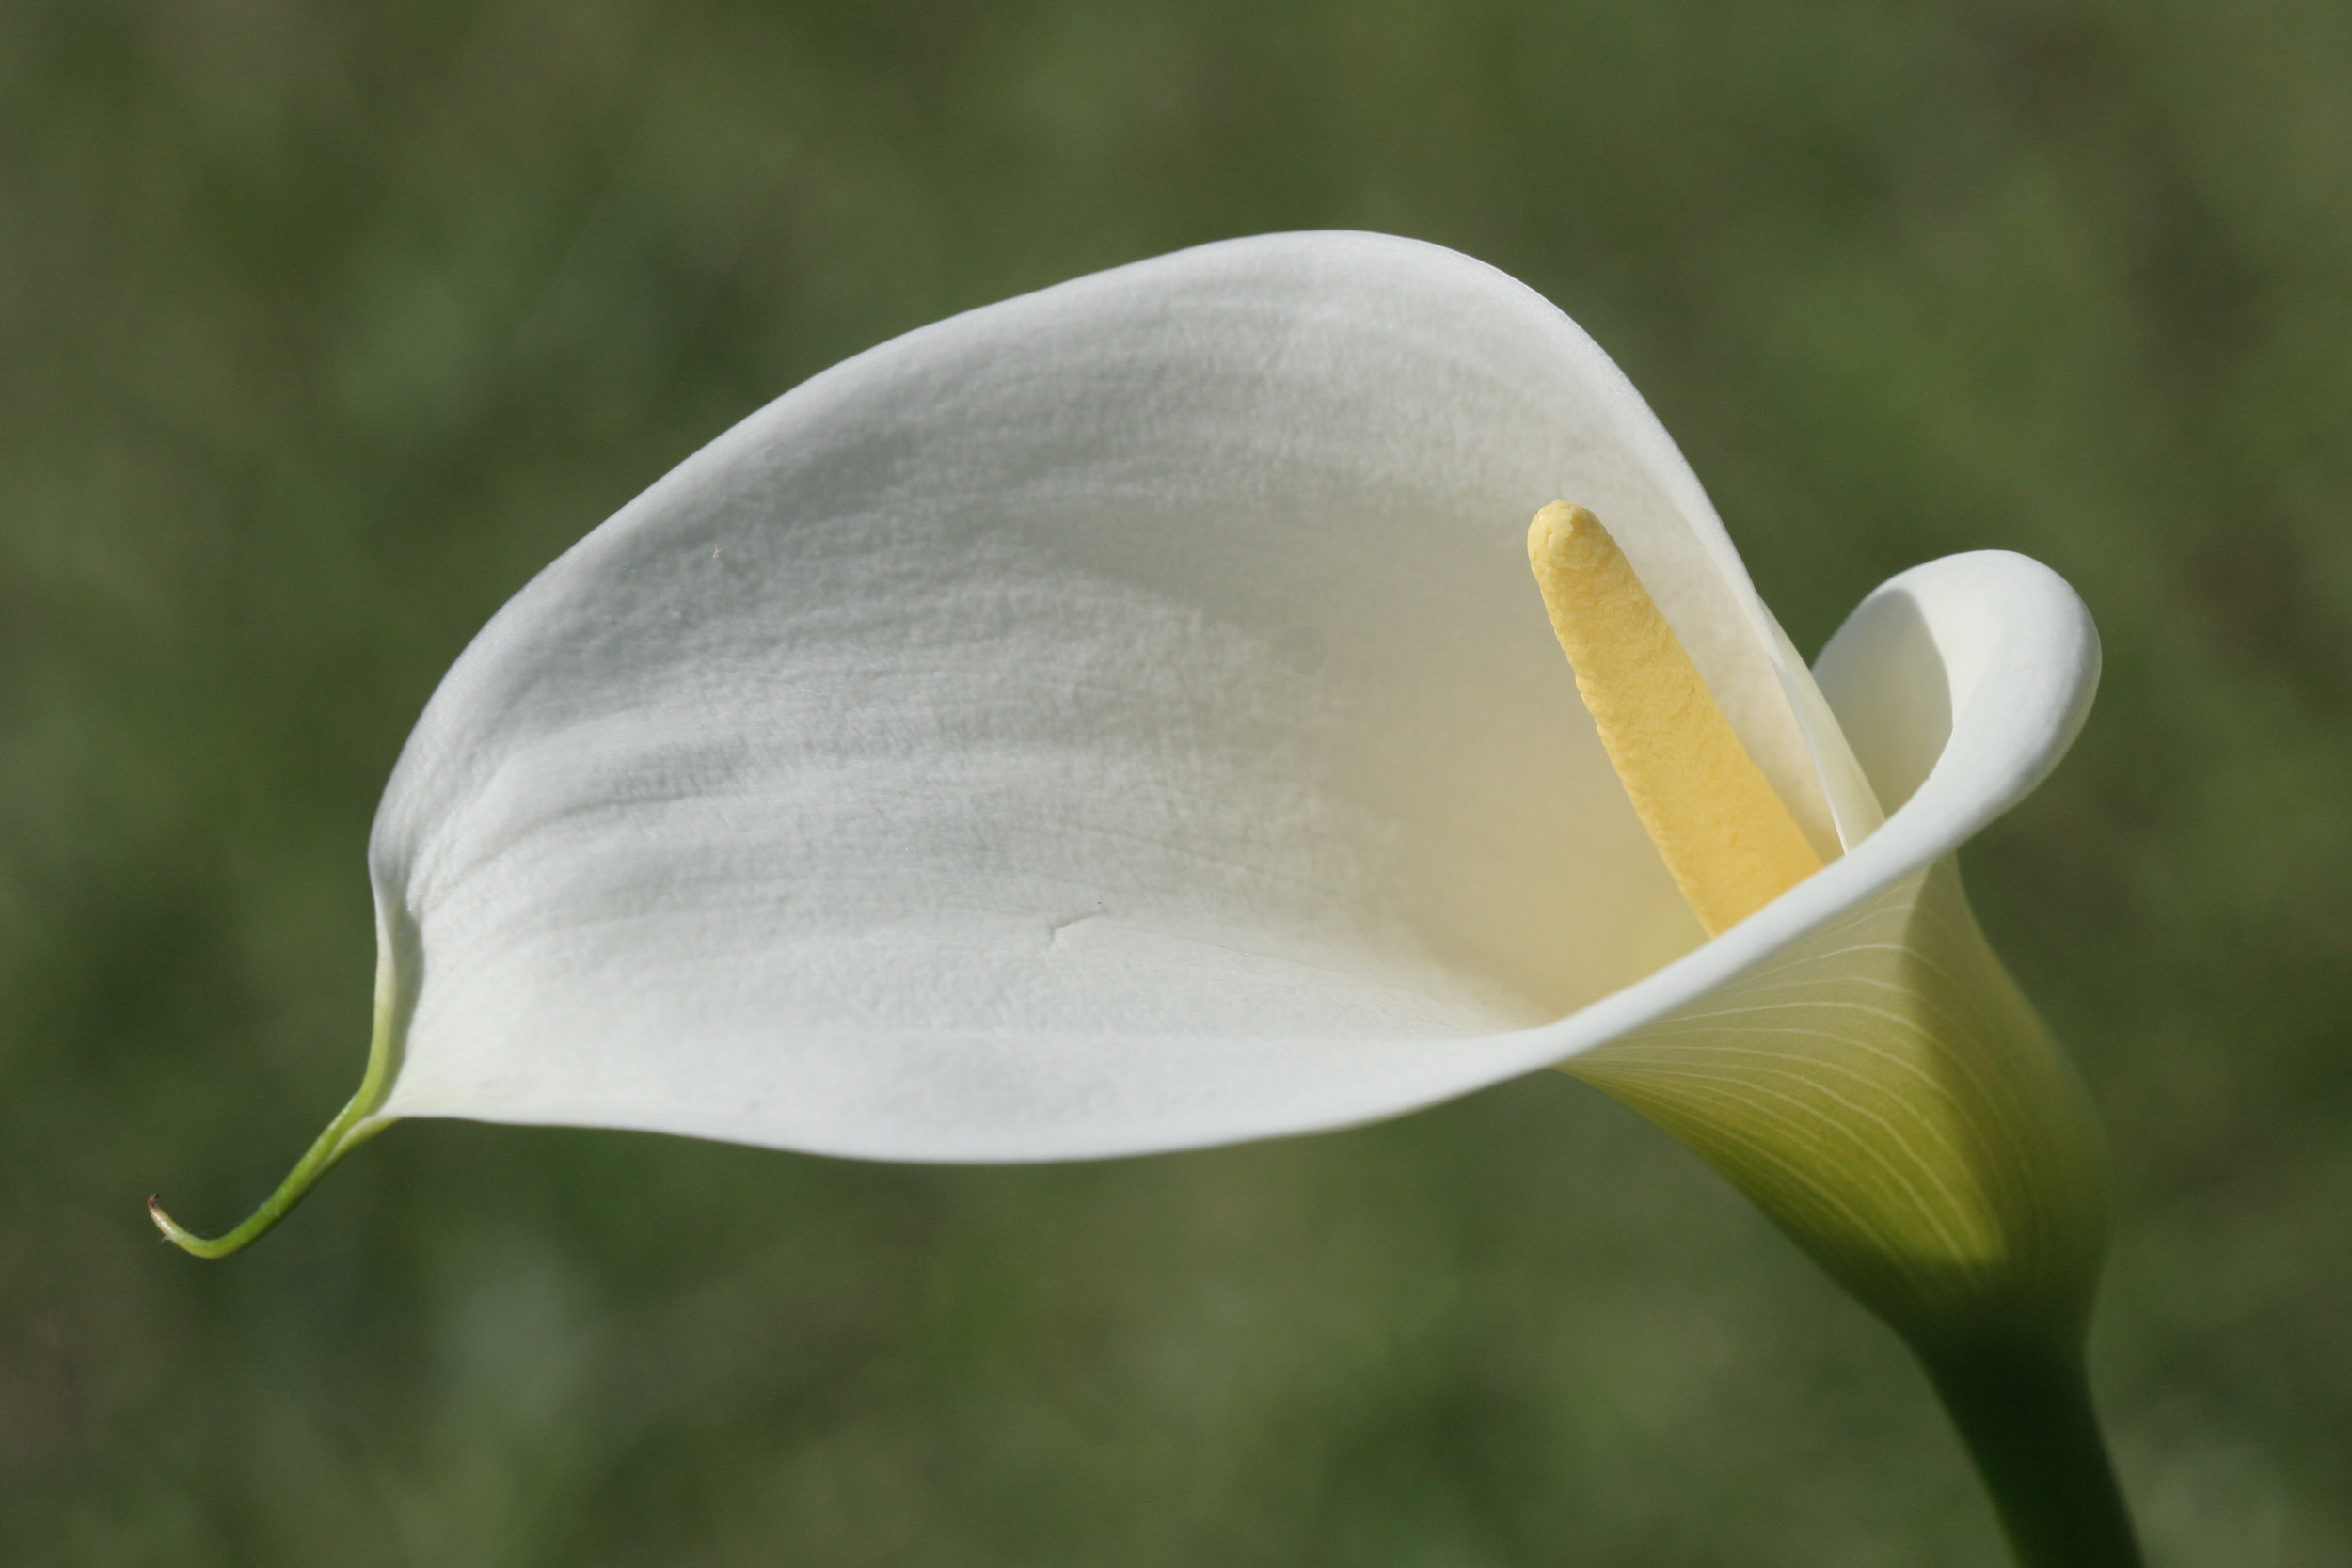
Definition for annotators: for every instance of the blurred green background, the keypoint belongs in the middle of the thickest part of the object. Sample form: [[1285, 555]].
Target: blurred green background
[[322, 327]]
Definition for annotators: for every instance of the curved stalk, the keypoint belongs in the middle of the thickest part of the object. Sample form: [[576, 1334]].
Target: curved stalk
[[2024, 1410]]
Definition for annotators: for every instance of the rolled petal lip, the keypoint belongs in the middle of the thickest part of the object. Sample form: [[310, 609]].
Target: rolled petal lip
[[1961, 682], [530, 784]]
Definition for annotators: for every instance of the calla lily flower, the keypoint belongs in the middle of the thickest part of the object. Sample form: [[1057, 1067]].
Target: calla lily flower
[[1119, 719]]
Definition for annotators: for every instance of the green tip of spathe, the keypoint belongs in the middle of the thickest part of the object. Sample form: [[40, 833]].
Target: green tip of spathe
[[256, 1226], [347, 1132], [180, 1235], [353, 1125]]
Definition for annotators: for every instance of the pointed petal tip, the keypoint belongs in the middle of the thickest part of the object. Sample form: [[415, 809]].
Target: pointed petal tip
[[178, 1234], [258, 1225], [346, 1133]]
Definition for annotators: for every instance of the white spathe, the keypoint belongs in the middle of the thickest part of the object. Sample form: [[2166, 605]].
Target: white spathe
[[1119, 720]]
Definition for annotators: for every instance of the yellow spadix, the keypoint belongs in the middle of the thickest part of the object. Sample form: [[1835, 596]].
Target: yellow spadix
[[1730, 842]]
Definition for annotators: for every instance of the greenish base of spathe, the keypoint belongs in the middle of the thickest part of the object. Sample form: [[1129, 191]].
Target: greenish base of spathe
[[1886, 1095]]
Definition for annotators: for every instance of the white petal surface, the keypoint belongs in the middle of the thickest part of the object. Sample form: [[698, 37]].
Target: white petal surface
[[1115, 719]]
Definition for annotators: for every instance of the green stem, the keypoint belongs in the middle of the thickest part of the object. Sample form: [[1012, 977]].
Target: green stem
[[2024, 1410]]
